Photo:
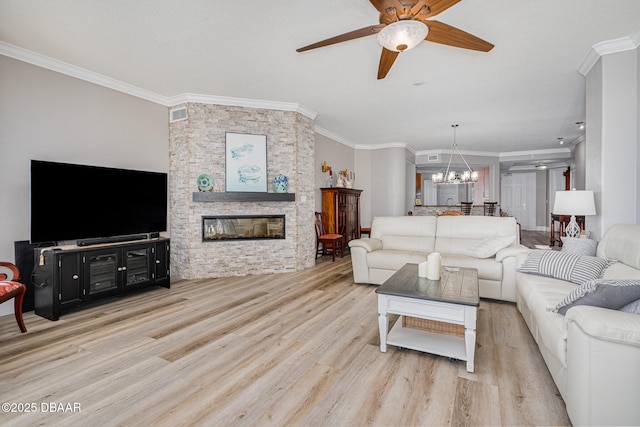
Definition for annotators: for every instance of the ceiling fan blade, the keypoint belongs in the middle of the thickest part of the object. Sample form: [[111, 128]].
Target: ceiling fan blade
[[451, 36], [387, 59], [383, 5], [437, 6], [356, 34]]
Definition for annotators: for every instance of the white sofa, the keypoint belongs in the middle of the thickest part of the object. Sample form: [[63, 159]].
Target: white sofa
[[593, 353], [489, 244]]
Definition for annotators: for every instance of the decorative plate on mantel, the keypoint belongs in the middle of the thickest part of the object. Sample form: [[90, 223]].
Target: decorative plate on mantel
[[205, 182]]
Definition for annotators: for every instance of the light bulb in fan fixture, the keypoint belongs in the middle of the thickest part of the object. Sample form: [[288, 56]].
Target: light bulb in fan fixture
[[402, 35]]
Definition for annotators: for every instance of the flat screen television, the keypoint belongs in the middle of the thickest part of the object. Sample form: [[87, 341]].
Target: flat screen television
[[70, 202]]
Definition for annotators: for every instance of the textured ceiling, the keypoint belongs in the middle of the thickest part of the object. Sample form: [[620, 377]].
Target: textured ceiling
[[520, 96]]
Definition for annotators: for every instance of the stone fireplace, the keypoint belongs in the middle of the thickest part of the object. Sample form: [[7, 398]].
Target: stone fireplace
[[197, 146]]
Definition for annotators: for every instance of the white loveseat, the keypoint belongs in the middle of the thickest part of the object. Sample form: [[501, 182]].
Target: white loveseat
[[593, 353], [489, 244]]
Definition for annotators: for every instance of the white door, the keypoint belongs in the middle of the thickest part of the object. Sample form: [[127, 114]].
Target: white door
[[410, 194], [556, 183], [429, 192], [518, 198]]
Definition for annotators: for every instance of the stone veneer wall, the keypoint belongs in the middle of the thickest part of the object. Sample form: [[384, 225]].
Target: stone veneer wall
[[196, 146]]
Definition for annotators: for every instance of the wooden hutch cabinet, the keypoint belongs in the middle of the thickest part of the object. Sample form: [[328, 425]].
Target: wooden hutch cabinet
[[341, 211]]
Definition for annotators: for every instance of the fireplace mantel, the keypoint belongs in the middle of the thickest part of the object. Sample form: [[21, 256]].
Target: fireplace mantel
[[241, 196]]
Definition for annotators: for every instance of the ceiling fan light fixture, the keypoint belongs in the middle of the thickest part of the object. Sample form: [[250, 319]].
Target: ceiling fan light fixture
[[402, 35]]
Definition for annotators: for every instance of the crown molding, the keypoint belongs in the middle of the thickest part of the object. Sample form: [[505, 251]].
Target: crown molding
[[240, 102], [505, 155], [334, 136], [447, 151], [61, 67], [386, 145], [610, 46]]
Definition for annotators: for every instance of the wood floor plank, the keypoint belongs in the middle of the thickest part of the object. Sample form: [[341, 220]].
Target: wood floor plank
[[292, 349]]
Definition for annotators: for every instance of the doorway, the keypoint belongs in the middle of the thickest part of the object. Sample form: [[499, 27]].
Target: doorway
[[518, 198]]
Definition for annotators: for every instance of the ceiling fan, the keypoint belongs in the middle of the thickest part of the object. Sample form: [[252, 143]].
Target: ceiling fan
[[404, 24]]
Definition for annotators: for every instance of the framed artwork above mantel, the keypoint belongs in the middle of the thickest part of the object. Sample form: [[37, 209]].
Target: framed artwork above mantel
[[246, 162]]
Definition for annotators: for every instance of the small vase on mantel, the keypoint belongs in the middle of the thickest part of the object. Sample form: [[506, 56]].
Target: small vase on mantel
[[281, 184]]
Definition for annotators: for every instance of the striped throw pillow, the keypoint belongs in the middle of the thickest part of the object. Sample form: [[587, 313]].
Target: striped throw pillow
[[606, 293], [565, 266]]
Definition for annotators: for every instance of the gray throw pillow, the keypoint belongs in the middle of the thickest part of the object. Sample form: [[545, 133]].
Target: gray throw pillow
[[559, 265], [574, 245], [606, 293]]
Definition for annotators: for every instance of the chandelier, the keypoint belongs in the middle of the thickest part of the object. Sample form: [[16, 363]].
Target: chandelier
[[452, 177]]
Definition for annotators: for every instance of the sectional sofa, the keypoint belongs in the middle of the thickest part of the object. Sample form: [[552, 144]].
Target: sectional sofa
[[593, 349], [583, 310]]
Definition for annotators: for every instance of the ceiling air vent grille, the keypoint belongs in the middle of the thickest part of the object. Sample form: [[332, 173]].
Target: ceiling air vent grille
[[178, 114], [433, 157]]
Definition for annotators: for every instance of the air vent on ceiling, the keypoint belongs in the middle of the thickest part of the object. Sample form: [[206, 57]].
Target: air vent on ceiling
[[433, 157], [178, 114]]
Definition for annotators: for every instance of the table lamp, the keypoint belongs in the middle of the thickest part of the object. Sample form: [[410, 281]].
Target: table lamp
[[574, 203]]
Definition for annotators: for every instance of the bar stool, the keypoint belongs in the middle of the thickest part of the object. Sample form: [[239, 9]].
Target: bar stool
[[465, 207], [490, 208]]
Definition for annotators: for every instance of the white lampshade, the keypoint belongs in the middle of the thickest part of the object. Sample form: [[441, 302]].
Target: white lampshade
[[402, 35], [574, 203]]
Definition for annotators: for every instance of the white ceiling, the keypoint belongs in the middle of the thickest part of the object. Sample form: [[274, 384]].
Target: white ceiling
[[520, 96]]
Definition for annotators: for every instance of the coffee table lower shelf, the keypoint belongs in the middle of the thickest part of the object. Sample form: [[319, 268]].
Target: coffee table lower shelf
[[428, 342]]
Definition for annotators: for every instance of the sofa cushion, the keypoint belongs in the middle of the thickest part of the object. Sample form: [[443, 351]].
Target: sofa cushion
[[621, 242], [572, 268], [409, 233], [488, 268], [393, 259], [488, 246], [454, 234], [407, 243], [549, 329], [621, 271], [606, 293], [574, 245]]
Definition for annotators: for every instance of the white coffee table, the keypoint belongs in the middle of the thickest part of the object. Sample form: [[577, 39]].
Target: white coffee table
[[452, 300]]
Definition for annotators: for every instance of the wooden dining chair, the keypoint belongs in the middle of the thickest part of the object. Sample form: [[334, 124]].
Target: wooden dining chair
[[9, 288], [333, 243]]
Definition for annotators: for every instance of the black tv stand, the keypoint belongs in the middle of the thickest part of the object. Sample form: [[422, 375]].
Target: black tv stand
[[72, 276], [112, 239]]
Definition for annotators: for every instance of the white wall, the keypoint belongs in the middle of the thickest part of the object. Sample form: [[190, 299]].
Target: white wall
[[339, 157], [363, 182], [388, 180], [410, 174], [612, 140], [49, 116]]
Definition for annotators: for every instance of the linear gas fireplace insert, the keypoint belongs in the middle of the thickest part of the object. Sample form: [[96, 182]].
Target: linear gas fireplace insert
[[242, 227]]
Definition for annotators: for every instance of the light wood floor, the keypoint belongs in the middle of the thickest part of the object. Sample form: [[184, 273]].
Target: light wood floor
[[532, 238], [285, 349]]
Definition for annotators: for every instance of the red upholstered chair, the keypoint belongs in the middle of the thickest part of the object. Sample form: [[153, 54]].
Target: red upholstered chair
[[333, 243], [10, 289]]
